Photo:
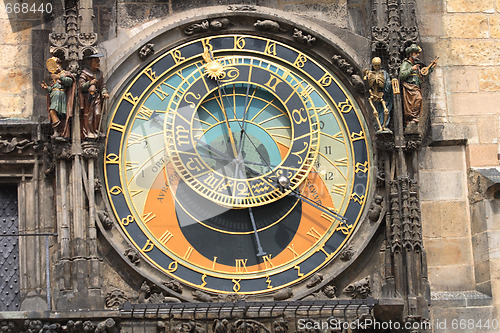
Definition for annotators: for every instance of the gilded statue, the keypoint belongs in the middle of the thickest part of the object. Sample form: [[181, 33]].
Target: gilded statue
[[60, 98]]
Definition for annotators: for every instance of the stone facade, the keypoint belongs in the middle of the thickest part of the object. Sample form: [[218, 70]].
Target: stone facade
[[456, 165]]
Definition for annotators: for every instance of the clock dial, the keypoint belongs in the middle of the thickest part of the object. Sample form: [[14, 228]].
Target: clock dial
[[195, 151]]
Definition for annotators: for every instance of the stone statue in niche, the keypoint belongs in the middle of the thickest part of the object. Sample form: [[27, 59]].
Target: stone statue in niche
[[60, 98], [412, 74], [381, 95], [92, 94]]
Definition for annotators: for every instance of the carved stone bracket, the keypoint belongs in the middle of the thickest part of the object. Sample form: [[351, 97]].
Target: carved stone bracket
[[87, 39], [115, 298], [268, 25], [347, 254], [90, 150], [359, 289], [58, 39], [204, 26], [14, 144], [241, 8], [145, 51], [283, 294], [37, 326], [301, 37], [106, 222], [132, 255]]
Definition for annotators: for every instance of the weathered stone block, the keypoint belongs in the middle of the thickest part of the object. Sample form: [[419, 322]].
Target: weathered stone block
[[436, 185], [480, 243], [468, 52], [483, 155], [451, 277], [443, 252], [488, 128], [444, 219], [444, 317], [15, 54], [470, 6], [489, 78], [442, 158], [482, 271], [13, 106], [466, 26], [15, 80], [461, 79], [473, 103]]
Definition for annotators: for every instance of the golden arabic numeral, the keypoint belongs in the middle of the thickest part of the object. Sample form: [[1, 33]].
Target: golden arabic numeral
[[203, 282], [357, 136], [177, 55], [268, 281], [127, 220], [299, 274], [297, 116], [239, 42], [115, 190], [112, 159], [236, 286], [149, 72], [300, 61], [345, 107], [326, 80], [130, 98], [361, 167], [148, 246], [172, 267], [270, 48]]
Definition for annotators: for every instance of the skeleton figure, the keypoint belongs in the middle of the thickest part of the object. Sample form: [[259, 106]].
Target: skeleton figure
[[380, 94]]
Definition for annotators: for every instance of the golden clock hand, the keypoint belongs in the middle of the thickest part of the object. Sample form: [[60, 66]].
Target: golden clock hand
[[212, 63], [285, 183], [260, 252]]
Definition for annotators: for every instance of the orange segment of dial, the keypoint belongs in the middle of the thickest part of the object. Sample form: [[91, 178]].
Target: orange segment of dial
[[169, 236]]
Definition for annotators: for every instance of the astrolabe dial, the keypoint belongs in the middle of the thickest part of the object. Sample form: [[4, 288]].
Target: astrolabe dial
[[246, 180], [230, 139]]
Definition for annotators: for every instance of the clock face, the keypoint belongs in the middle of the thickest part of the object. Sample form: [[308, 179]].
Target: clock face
[[237, 164]]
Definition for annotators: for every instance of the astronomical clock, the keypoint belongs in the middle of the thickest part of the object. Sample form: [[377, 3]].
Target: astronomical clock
[[237, 163]]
